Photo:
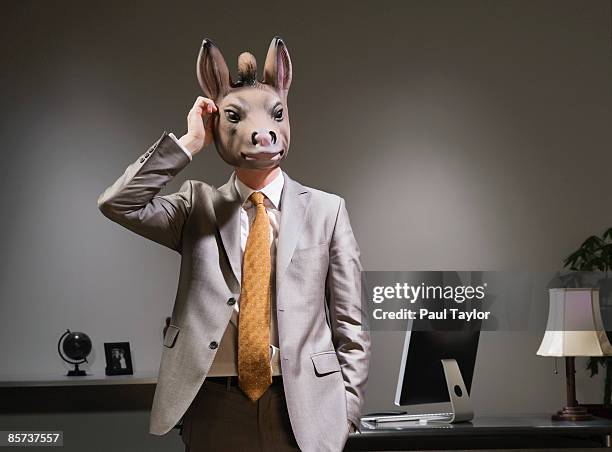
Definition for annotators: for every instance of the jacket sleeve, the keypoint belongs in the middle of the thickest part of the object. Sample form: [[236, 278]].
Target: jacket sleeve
[[133, 200], [348, 319]]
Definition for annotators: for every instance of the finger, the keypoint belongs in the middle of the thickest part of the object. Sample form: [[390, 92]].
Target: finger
[[202, 105], [197, 113], [198, 102], [196, 110], [206, 103]]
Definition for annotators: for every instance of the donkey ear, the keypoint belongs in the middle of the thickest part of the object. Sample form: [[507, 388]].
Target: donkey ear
[[277, 69], [212, 71]]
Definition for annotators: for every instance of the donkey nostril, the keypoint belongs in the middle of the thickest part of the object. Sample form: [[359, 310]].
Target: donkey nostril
[[273, 137], [253, 135]]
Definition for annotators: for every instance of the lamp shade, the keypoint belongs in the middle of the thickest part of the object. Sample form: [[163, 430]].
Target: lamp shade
[[574, 327]]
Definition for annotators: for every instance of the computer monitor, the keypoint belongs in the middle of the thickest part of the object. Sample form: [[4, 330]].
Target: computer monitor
[[437, 362], [421, 377]]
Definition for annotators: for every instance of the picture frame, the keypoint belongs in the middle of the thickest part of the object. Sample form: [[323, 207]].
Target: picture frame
[[118, 358]]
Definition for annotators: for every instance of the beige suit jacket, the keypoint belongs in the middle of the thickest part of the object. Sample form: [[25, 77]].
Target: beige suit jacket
[[324, 342]]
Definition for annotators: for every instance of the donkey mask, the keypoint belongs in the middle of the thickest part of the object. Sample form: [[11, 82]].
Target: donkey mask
[[251, 126]]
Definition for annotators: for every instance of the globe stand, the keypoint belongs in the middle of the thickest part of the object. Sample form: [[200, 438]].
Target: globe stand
[[76, 372], [76, 347]]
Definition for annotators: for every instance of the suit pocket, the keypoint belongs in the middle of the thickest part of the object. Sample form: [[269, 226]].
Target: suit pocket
[[325, 362], [312, 247], [171, 334]]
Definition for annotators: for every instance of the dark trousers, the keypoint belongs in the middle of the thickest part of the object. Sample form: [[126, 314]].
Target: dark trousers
[[222, 418]]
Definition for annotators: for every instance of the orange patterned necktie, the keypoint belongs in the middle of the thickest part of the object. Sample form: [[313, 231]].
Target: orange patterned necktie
[[254, 372]]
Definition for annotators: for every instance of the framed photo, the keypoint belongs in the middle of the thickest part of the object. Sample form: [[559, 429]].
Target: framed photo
[[118, 358]]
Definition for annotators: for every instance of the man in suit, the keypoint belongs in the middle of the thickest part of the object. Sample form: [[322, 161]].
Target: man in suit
[[266, 348]]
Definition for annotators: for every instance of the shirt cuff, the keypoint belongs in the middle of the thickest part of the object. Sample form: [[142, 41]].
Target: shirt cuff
[[185, 150]]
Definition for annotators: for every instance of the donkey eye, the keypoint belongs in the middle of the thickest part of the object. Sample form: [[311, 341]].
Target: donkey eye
[[232, 116], [278, 114]]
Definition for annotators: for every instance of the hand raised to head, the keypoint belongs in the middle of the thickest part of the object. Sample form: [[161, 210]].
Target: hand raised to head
[[199, 133]]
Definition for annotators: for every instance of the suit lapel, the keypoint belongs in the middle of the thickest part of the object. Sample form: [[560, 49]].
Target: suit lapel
[[227, 203], [295, 200], [294, 204]]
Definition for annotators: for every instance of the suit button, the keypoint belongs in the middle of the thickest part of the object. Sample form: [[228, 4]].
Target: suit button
[[213, 345], [231, 301], [142, 159]]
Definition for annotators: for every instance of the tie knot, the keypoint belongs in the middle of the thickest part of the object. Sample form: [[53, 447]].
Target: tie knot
[[257, 198]]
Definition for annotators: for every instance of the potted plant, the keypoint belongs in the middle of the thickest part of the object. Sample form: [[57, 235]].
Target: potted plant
[[595, 255]]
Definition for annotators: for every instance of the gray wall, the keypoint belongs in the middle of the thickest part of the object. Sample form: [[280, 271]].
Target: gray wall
[[463, 135]]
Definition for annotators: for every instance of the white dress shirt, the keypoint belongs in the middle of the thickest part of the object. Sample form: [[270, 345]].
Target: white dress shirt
[[226, 358]]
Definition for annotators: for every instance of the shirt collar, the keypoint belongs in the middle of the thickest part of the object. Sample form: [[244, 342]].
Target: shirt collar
[[272, 191]]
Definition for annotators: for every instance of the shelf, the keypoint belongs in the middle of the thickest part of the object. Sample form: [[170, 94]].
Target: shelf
[[95, 379]]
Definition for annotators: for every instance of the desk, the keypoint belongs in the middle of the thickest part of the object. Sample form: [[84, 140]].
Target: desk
[[510, 432]]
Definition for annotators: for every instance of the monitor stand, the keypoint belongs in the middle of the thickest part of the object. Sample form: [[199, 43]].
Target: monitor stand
[[461, 404]]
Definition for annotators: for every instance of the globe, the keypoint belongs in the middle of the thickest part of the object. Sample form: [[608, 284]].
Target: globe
[[76, 346]]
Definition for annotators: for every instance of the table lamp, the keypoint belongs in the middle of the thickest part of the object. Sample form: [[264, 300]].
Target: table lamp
[[574, 328]]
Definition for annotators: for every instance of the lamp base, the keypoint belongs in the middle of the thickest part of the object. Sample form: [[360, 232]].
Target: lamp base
[[572, 413]]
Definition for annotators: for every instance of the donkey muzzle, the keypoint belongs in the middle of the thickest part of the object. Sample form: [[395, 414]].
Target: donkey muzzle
[[263, 139]]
